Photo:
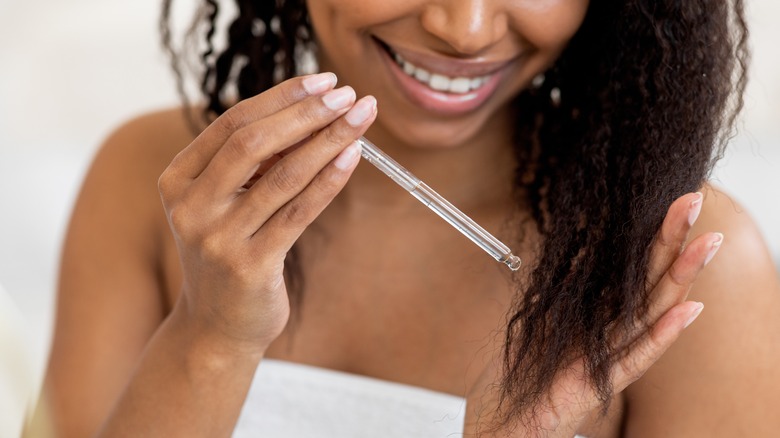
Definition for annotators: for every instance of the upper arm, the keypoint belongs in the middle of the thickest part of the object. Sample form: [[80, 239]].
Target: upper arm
[[109, 297], [722, 376]]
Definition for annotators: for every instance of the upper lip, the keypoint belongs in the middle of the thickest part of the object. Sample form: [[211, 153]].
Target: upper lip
[[449, 66]]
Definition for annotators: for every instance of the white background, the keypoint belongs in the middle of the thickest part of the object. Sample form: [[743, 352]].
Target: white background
[[71, 71]]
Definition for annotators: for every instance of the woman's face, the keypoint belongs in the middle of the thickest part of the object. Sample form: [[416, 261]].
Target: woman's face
[[441, 69]]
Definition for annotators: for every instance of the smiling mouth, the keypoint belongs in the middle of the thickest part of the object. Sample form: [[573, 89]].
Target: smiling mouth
[[436, 80]]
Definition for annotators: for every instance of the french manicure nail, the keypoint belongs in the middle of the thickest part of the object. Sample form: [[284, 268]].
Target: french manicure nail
[[319, 83], [339, 98], [714, 247], [695, 208], [348, 156], [694, 314], [361, 111]]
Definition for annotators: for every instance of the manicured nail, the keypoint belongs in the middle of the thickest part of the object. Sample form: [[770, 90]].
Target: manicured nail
[[694, 314], [319, 83], [714, 247], [695, 208], [339, 98], [362, 110], [348, 156]]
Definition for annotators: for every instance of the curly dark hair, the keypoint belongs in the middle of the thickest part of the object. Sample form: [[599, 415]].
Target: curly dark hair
[[649, 92]]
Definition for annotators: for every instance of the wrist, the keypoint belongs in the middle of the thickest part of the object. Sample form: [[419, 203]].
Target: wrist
[[208, 343]]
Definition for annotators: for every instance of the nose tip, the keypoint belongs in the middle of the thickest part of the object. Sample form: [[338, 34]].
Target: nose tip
[[468, 26]]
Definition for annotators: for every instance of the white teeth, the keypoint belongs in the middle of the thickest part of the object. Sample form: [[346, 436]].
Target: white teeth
[[420, 74], [460, 85], [438, 82]]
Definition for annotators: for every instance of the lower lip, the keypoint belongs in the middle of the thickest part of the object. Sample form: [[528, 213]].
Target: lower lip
[[436, 101]]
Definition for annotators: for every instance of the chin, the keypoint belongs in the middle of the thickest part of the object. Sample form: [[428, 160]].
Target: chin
[[430, 135]]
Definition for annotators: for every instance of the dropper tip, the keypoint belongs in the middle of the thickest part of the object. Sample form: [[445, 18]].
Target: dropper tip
[[513, 262]]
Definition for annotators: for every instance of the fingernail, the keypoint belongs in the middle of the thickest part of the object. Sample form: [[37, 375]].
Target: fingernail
[[361, 111], [339, 98], [319, 83], [714, 247], [695, 208], [348, 156], [694, 314]]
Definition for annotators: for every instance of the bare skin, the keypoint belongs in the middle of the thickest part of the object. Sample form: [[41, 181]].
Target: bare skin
[[165, 311]]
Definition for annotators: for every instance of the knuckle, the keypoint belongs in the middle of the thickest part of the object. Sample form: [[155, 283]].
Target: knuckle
[[663, 240], [179, 219], [677, 276], [290, 91], [629, 371], [243, 143], [329, 183], [183, 218], [311, 111], [296, 214], [166, 183], [637, 358], [266, 256], [670, 236], [211, 247], [653, 277], [632, 366], [649, 354], [231, 120], [282, 178], [238, 271], [336, 136], [549, 419]]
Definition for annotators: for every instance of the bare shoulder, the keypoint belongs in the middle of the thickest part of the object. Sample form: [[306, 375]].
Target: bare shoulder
[[148, 142], [742, 274], [120, 187], [125, 171], [722, 376]]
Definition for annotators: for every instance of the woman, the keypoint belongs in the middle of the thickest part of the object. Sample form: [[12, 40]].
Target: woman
[[580, 132]]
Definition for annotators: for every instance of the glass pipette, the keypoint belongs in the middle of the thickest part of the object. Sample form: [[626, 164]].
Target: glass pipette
[[439, 205]]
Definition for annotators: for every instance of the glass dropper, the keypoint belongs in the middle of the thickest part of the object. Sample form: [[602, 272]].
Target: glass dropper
[[438, 204]]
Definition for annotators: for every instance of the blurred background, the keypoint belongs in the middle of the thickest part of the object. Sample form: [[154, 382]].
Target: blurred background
[[70, 72]]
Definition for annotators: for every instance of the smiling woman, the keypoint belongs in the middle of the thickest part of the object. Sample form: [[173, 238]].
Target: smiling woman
[[280, 277], [502, 47]]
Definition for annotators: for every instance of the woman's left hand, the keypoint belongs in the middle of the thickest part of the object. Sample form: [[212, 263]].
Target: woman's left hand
[[571, 399]]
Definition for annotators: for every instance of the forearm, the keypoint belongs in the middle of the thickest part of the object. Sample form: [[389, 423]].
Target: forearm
[[186, 384]]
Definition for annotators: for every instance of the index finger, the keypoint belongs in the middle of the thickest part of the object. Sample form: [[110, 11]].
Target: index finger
[[191, 161]]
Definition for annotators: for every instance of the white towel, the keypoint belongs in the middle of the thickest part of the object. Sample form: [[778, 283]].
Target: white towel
[[288, 400]]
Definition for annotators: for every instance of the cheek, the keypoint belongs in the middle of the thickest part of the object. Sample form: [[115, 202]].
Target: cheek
[[335, 23], [342, 28], [548, 24], [349, 16]]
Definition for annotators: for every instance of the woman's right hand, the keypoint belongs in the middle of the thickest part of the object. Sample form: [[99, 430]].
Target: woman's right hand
[[232, 240]]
